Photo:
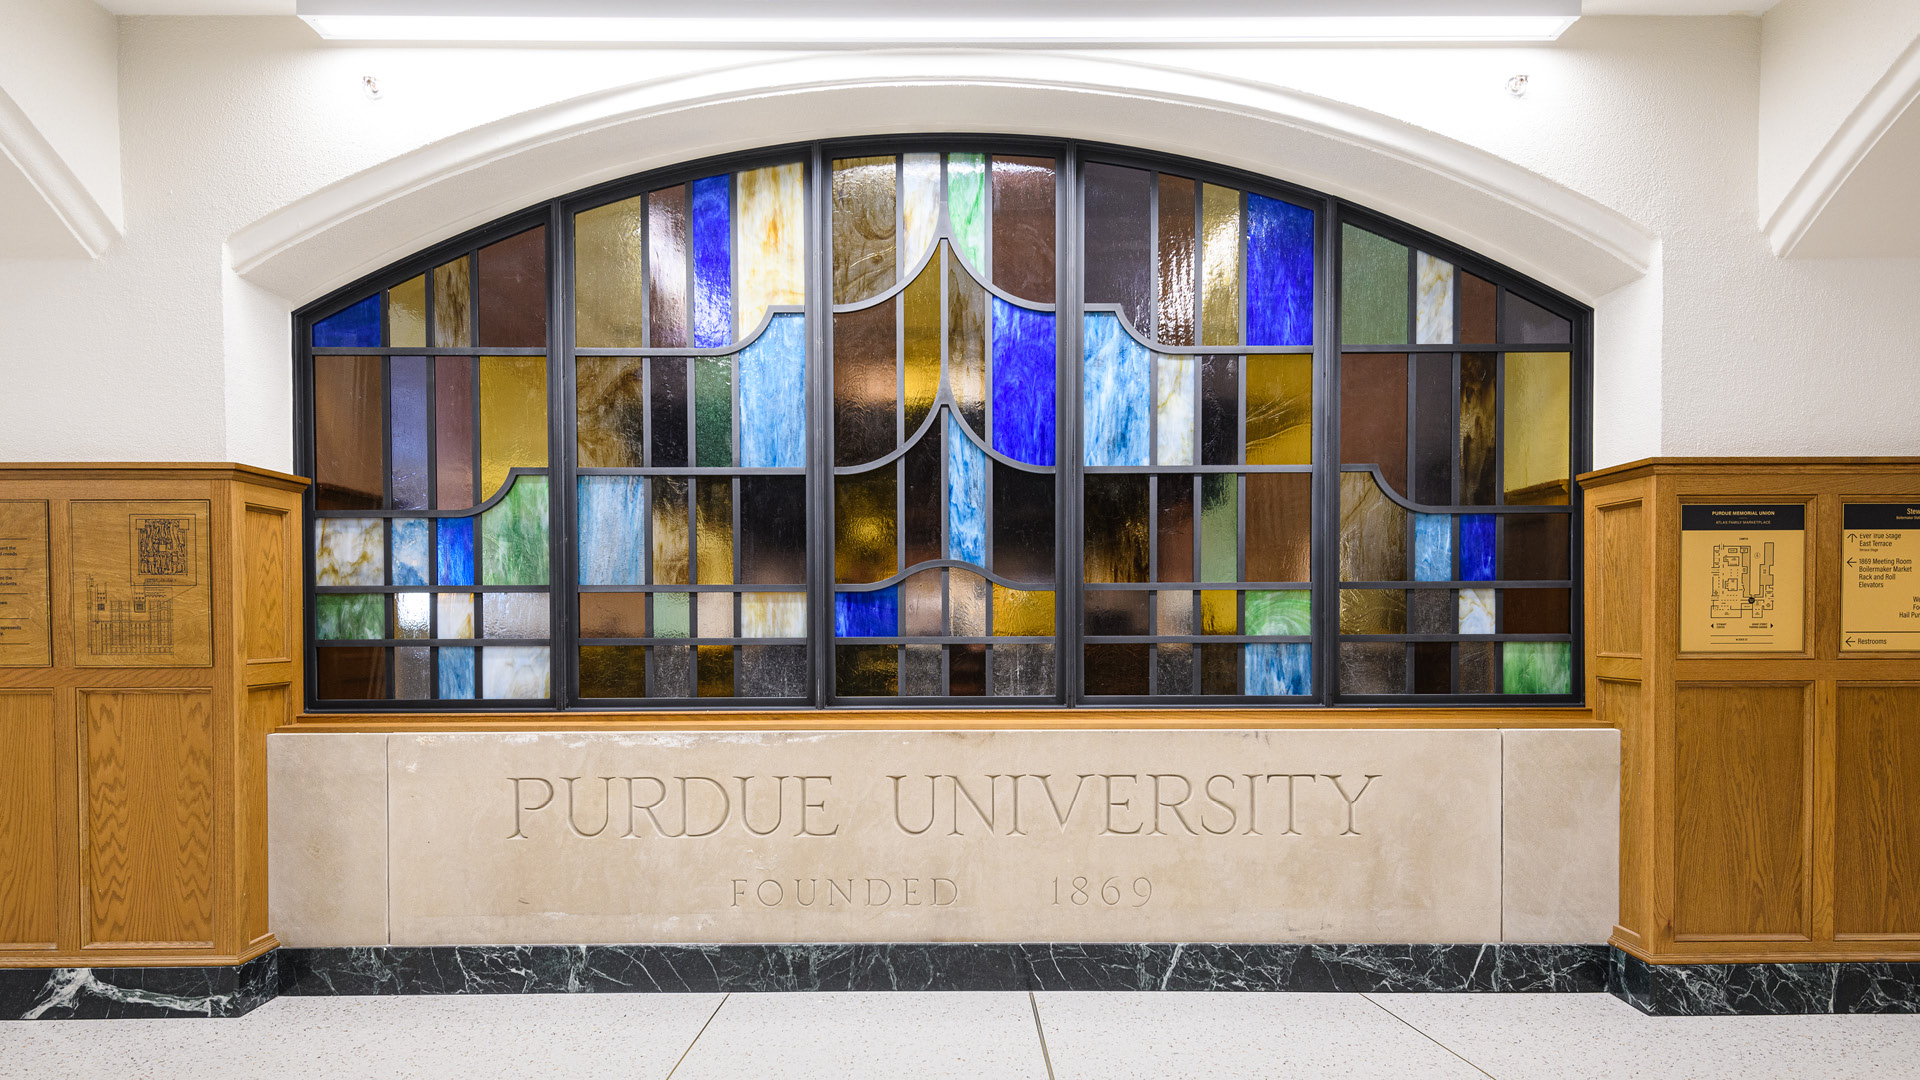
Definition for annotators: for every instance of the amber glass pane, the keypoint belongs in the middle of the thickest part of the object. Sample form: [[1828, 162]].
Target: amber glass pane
[[1219, 611], [349, 433], [713, 522], [866, 670], [607, 242], [1373, 414], [1534, 548], [1022, 612], [668, 402], [1476, 310], [1373, 611], [453, 395], [610, 412], [1280, 410], [1176, 528], [670, 530], [1219, 265], [667, 267], [1116, 518], [865, 384], [1219, 410], [1118, 669], [864, 208], [613, 671], [924, 508], [966, 344], [613, 614], [1023, 226], [513, 291], [513, 417], [1535, 611], [407, 314], [716, 670], [1477, 393], [1535, 414], [1022, 524], [863, 526], [922, 345], [1119, 238], [1112, 612], [1176, 269], [1279, 526], [453, 304], [1433, 429], [1373, 532]]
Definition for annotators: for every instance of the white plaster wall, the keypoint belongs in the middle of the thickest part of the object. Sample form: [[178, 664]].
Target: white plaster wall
[[159, 350], [58, 65]]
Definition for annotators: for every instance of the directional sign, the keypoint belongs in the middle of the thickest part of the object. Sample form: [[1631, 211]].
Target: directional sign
[[1880, 581]]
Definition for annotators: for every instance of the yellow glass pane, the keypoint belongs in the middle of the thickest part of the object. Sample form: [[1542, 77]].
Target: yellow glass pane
[[1535, 411], [863, 527], [607, 298], [1373, 531], [513, 417], [1373, 611], [922, 357], [772, 227], [1022, 612], [669, 530], [1219, 266], [453, 304], [713, 530], [407, 314], [1280, 410], [967, 343], [1219, 611]]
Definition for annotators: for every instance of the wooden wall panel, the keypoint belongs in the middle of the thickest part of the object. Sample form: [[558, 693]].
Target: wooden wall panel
[[1741, 843], [1877, 810], [1621, 563], [264, 583], [1615, 699], [29, 857], [148, 777], [266, 709]]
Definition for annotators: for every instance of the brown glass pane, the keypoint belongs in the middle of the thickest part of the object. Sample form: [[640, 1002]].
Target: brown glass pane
[[864, 206], [1534, 548], [1116, 519], [613, 671], [1373, 611], [1219, 410], [1178, 299], [667, 268], [1373, 414], [350, 462], [966, 344], [1535, 611], [1023, 227], [1479, 668], [863, 526], [610, 412], [1118, 669], [453, 304], [920, 367], [1219, 669], [1279, 527], [925, 509], [1432, 667], [1112, 612], [670, 530], [613, 614], [866, 670], [865, 384], [922, 606], [513, 291], [1176, 528], [1433, 429], [1373, 667], [1476, 310], [453, 432], [713, 530], [669, 406], [1373, 531], [967, 670], [351, 674], [1431, 611], [1022, 524], [773, 530], [1477, 396], [1119, 240]]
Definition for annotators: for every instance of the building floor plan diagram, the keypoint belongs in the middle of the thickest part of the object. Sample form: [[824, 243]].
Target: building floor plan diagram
[[1742, 582]]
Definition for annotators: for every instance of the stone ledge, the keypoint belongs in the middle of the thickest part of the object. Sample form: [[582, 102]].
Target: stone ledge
[[1763, 989], [124, 993]]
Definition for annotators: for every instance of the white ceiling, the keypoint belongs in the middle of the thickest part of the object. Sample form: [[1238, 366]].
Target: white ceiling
[[285, 7]]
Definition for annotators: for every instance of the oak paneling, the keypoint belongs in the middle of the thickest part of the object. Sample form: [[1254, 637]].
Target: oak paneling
[[1740, 814], [29, 859], [148, 777], [267, 708], [1877, 810], [1621, 563], [264, 584], [1613, 701]]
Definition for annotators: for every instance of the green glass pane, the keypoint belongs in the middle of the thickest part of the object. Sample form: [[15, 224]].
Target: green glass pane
[[1220, 527], [671, 617], [967, 206], [713, 412], [1373, 289], [1280, 612], [513, 535], [1536, 667], [360, 617]]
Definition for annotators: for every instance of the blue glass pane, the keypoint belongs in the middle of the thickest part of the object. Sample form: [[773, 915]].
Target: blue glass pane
[[456, 673], [1279, 668], [867, 614], [456, 551], [358, 327], [712, 264], [773, 396], [966, 498], [1476, 547], [1023, 370], [612, 513], [1279, 272], [411, 551], [1114, 393], [1433, 547]]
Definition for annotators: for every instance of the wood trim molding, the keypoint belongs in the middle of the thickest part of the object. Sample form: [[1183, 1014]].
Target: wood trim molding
[[145, 471]]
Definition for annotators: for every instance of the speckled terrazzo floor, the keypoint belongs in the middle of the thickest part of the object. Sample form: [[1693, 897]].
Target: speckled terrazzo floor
[[1111, 1036]]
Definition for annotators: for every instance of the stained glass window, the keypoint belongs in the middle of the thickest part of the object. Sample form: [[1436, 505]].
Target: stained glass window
[[991, 422]]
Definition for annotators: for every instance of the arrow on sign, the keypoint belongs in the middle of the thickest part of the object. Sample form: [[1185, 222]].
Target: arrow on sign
[[1849, 642]]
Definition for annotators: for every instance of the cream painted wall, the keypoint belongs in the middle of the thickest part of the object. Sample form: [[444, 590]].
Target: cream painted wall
[[160, 350], [59, 128]]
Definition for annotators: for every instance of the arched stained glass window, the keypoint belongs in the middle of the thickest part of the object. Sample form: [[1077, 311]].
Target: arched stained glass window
[[943, 421]]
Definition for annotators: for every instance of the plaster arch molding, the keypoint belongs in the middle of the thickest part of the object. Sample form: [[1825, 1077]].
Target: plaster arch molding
[[1486, 203]]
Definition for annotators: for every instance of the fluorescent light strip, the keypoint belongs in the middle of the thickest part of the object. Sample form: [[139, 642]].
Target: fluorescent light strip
[[939, 31]]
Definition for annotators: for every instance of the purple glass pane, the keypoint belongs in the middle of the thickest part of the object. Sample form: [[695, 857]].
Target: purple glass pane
[[867, 614], [712, 264], [1476, 547], [1279, 272], [1023, 377], [357, 327], [407, 381]]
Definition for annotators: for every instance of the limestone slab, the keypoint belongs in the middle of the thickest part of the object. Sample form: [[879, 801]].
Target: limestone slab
[[1560, 863], [327, 838], [1327, 836]]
